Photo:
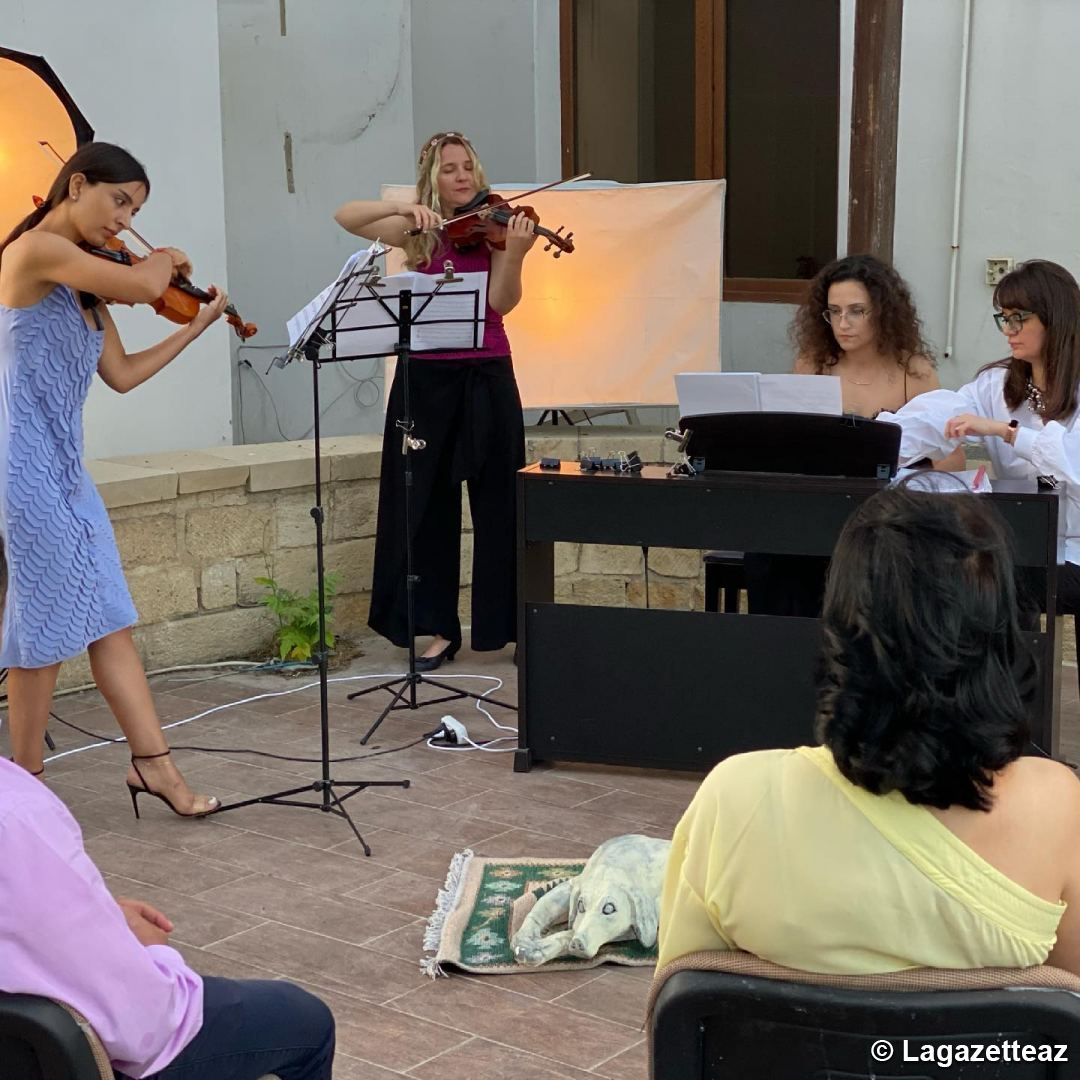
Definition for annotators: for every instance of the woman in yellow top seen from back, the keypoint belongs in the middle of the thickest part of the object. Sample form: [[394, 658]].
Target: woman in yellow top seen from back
[[918, 834]]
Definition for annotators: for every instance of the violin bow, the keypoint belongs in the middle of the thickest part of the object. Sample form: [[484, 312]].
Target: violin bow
[[513, 198]]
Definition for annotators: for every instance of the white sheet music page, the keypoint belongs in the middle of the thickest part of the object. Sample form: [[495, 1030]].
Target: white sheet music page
[[705, 392], [701, 393], [453, 319], [314, 310], [801, 394]]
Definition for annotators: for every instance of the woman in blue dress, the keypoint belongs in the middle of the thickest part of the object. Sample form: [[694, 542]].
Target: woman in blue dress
[[66, 590]]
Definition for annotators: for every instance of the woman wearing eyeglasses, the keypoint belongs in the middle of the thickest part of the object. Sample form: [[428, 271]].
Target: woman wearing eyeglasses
[[1024, 407], [859, 323], [466, 407]]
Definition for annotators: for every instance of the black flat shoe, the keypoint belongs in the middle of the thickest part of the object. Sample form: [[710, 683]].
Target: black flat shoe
[[431, 663]]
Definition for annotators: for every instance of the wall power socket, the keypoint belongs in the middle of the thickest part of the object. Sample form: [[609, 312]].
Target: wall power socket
[[997, 268]]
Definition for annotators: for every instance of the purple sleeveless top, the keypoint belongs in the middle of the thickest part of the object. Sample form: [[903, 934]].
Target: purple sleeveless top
[[474, 260]]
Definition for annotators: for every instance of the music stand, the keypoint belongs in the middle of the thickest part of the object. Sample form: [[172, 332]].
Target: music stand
[[307, 347], [403, 689]]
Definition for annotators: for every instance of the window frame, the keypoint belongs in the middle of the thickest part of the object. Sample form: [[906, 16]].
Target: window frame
[[875, 94]]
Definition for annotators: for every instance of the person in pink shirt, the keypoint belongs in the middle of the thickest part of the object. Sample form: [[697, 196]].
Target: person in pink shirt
[[63, 936]]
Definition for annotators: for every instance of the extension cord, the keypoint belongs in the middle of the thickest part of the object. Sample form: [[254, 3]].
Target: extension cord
[[453, 733]]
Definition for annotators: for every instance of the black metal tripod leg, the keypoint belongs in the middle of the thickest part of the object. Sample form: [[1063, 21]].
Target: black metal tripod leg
[[339, 808], [398, 695]]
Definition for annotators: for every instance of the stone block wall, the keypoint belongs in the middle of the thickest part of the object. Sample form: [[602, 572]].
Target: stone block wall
[[196, 528]]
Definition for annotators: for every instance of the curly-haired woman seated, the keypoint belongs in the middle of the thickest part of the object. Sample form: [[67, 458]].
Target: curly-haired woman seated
[[859, 323], [917, 835]]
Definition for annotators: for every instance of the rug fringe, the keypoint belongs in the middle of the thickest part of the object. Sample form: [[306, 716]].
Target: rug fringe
[[445, 902]]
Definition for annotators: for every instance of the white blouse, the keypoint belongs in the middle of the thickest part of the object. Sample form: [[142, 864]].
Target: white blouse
[[1040, 449]]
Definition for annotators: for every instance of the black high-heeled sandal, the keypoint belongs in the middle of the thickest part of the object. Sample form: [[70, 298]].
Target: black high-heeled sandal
[[147, 790], [430, 663]]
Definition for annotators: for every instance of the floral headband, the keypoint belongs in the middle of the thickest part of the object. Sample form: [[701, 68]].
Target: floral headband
[[436, 140]]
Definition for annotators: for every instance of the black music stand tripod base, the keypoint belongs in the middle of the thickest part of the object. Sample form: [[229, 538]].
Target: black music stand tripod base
[[331, 802], [406, 685]]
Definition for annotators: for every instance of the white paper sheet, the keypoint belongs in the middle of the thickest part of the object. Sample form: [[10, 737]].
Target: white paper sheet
[[452, 318], [314, 310], [701, 392], [447, 321], [801, 394]]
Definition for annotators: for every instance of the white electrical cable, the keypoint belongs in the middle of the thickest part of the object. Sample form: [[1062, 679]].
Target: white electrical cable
[[489, 746], [285, 693], [170, 670]]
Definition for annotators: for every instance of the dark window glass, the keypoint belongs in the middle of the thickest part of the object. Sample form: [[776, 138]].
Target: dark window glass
[[782, 84], [634, 89], [634, 116]]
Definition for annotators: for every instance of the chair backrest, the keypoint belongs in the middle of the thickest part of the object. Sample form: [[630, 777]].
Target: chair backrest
[[46, 1040], [745, 1017]]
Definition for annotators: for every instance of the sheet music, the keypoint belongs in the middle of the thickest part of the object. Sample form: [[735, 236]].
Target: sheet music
[[312, 311], [705, 392], [447, 320], [801, 394]]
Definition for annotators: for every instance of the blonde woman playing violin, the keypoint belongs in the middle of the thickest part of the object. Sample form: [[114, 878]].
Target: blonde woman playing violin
[[466, 407], [66, 590]]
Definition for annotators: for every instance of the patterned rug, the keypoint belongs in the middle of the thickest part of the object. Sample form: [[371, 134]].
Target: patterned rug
[[482, 905]]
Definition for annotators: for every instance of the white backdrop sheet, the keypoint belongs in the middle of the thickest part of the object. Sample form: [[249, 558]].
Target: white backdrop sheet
[[637, 301]]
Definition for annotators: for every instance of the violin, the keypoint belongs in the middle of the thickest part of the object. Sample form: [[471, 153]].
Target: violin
[[181, 301], [487, 217]]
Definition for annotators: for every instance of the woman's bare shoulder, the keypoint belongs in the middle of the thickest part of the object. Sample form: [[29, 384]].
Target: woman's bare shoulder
[[920, 366], [1050, 789]]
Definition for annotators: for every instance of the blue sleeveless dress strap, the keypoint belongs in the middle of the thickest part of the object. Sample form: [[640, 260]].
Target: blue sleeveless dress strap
[[65, 588]]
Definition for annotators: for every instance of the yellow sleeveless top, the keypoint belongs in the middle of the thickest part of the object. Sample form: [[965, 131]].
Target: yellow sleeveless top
[[780, 855]]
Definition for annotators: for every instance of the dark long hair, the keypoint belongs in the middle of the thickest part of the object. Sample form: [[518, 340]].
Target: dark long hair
[[926, 679], [100, 163], [1051, 292], [899, 331]]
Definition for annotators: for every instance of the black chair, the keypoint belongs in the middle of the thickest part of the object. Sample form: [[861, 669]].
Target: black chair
[[730, 1025], [41, 1039], [724, 573]]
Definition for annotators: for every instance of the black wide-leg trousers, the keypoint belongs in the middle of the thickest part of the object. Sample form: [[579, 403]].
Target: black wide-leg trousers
[[468, 412]]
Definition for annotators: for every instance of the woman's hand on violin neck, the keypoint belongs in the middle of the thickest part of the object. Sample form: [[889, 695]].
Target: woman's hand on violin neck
[[423, 217], [181, 263], [520, 235], [210, 313]]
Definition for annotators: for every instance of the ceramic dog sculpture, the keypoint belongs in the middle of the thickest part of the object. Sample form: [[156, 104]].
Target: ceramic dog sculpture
[[616, 897]]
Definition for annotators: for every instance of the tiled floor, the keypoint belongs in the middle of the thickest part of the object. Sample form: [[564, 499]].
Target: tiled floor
[[282, 892]]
